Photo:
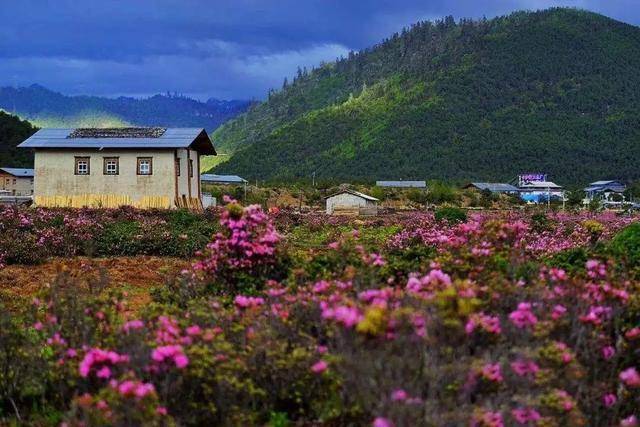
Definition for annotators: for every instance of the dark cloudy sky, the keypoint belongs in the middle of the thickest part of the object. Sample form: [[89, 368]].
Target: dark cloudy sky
[[225, 49]]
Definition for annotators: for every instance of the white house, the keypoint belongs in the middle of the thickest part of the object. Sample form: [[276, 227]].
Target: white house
[[143, 167], [349, 202], [16, 181], [610, 193]]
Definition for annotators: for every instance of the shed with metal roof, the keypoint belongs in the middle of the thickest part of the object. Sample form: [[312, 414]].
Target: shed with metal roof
[[494, 187], [351, 202]]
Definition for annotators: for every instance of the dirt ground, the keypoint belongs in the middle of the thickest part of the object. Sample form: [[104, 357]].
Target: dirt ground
[[136, 275]]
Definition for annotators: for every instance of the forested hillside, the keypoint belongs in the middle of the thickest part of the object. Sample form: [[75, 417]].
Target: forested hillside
[[13, 131], [556, 91], [48, 108]]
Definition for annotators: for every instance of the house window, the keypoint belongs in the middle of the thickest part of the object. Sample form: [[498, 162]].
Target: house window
[[177, 166], [82, 166], [111, 166], [14, 181], [190, 168], [145, 166]]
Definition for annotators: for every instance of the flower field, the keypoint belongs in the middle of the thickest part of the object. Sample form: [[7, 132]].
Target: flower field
[[277, 318]]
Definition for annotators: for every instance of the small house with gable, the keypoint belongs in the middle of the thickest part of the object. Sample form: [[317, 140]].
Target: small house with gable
[[149, 167], [350, 202]]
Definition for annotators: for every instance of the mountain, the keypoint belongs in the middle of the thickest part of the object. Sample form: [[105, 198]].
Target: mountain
[[555, 91], [44, 107], [12, 132]]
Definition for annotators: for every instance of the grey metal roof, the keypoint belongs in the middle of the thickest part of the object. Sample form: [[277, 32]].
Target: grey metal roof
[[598, 183], [536, 185], [402, 184], [18, 172], [615, 186], [494, 187], [209, 177], [196, 138], [354, 193]]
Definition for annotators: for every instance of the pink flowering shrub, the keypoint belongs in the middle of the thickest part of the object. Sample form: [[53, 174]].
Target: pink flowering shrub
[[243, 255], [30, 235], [488, 332]]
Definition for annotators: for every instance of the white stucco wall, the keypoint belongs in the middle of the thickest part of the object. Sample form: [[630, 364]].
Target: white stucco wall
[[55, 174], [346, 200], [184, 181]]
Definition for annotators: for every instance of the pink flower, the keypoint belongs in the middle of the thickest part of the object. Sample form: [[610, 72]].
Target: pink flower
[[630, 421], [609, 399], [558, 312], [399, 395], [103, 372], [382, 422], [98, 359], [246, 302], [525, 368], [319, 367], [608, 352], [194, 330], [492, 372], [132, 325], [630, 377], [632, 334], [170, 352], [523, 316], [161, 410], [525, 415]]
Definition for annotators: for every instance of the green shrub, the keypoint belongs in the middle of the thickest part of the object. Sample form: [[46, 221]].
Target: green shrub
[[451, 215], [625, 245], [119, 238], [441, 193], [570, 260]]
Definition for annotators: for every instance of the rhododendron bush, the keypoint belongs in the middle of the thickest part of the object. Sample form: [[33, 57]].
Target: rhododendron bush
[[30, 235], [486, 328]]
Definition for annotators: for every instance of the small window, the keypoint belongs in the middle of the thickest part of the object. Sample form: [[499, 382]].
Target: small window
[[145, 166], [177, 166], [14, 181], [111, 166], [82, 166], [190, 168]]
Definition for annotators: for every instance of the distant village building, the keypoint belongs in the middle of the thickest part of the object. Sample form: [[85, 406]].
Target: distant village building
[[608, 192], [535, 188], [16, 181], [144, 167], [349, 202], [222, 179], [402, 184], [494, 187]]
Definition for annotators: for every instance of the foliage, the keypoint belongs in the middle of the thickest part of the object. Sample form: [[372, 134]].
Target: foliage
[[463, 100], [12, 132], [625, 245], [51, 109], [486, 333], [451, 215]]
